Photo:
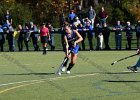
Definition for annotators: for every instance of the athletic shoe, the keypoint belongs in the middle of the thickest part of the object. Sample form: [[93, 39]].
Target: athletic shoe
[[132, 68], [44, 52], [63, 69], [68, 72]]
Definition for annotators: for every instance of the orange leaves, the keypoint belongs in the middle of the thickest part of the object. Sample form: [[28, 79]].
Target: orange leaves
[[135, 10]]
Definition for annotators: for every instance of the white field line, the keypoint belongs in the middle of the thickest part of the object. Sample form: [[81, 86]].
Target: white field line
[[127, 71], [26, 64], [49, 79], [3, 65]]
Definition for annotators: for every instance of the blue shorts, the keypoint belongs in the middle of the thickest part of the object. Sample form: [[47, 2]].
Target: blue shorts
[[74, 49]]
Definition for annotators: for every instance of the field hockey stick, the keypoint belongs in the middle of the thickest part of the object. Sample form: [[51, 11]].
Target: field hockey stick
[[62, 65], [123, 59]]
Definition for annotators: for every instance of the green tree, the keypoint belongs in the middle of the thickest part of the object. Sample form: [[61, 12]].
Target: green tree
[[20, 14]]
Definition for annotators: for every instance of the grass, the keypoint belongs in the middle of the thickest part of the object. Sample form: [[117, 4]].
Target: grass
[[30, 76]]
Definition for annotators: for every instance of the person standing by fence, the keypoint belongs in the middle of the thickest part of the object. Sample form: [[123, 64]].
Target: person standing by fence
[[34, 35], [129, 34], [118, 35], [99, 36], [88, 28], [51, 31], [26, 36], [20, 37], [83, 34], [137, 28], [2, 39], [106, 34]]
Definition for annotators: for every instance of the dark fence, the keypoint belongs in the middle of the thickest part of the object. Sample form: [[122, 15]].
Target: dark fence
[[58, 43]]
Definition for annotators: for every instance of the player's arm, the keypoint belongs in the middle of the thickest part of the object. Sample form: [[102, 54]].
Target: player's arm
[[79, 37], [49, 35]]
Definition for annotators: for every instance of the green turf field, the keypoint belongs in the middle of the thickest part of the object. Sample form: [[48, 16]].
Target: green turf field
[[30, 76]]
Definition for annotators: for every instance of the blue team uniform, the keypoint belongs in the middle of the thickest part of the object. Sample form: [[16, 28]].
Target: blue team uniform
[[71, 41]]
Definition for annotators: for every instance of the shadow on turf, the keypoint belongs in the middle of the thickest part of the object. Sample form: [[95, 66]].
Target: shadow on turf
[[120, 81], [32, 74], [118, 72], [108, 73], [75, 73]]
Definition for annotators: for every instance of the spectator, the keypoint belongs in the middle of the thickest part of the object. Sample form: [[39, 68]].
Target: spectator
[[83, 34], [72, 16], [20, 37], [6, 26], [118, 35], [102, 16], [26, 36], [137, 28], [89, 30], [51, 41], [99, 36], [62, 19], [34, 35], [85, 20], [8, 17], [79, 13], [106, 34], [129, 33], [76, 22], [10, 38], [91, 15], [2, 39]]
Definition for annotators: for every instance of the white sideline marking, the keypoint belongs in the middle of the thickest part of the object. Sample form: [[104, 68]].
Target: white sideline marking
[[3, 65], [131, 71], [49, 79], [26, 64], [127, 71]]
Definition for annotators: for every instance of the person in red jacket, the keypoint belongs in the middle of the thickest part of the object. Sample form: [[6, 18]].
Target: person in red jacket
[[45, 36], [134, 68]]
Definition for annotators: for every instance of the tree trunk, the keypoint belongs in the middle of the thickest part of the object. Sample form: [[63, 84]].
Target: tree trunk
[[81, 4], [85, 3], [96, 3]]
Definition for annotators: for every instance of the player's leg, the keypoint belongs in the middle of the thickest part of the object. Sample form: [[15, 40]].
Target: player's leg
[[73, 58], [72, 63], [44, 48], [44, 43], [134, 68]]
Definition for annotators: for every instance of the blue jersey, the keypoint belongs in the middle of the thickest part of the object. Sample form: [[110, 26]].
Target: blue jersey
[[71, 39]]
